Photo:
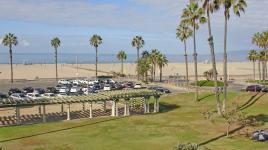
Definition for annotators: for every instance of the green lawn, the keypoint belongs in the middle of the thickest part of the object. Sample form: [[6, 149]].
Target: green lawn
[[179, 121], [265, 82], [208, 83]]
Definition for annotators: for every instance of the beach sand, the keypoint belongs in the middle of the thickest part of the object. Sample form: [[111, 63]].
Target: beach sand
[[30, 72]]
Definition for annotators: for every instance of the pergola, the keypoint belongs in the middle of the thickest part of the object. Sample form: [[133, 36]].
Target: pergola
[[126, 96]]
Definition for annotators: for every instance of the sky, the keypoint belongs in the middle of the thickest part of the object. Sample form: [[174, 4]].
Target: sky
[[36, 22]]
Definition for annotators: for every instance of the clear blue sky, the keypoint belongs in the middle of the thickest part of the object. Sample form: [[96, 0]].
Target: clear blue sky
[[36, 22]]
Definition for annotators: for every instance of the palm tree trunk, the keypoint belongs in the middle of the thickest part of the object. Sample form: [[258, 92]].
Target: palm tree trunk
[[263, 70], [96, 65], [195, 68], [138, 58], [186, 63], [259, 67], [56, 63], [213, 60], [254, 72], [11, 63], [154, 70], [160, 68], [122, 71], [225, 66]]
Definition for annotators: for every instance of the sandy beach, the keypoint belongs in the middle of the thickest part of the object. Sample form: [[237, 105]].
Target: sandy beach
[[34, 71]]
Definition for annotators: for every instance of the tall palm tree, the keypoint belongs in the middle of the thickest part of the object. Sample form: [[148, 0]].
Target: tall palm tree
[[122, 56], [162, 61], [211, 6], [10, 40], [153, 57], [138, 42], [238, 7], [263, 58], [55, 42], [253, 56], [256, 39], [95, 41], [144, 65], [183, 33], [193, 15]]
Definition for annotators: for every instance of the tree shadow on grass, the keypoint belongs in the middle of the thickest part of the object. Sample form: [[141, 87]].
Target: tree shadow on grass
[[203, 83], [251, 101], [260, 117], [205, 97], [166, 107], [220, 136]]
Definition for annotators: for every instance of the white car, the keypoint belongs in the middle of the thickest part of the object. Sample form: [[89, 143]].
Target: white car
[[34, 96], [64, 90], [48, 95], [75, 89], [77, 82], [18, 96], [62, 95], [107, 87], [137, 86], [64, 81]]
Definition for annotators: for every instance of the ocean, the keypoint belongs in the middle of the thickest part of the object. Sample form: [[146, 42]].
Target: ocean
[[67, 58]]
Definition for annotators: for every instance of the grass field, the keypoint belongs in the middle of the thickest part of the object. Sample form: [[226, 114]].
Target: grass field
[[208, 83], [180, 120], [265, 82]]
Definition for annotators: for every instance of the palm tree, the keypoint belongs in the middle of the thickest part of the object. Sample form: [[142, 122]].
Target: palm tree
[[193, 15], [144, 65], [10, 40], [138, 42], [95, 41], [183, 33], [263, 58], [122, 56], [162, 61], [253, 56], [55, 42], [238, 7], [153, 58], [256, 39], [210, 6]]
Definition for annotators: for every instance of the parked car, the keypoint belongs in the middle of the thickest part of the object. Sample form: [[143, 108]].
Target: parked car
[[76, 89], [62, 95], [137, 86], [39, 90], [254, 88], [265, 90], [107, 87], [26, 90], [18, 96], [64, 89], [160, 89], [51, 90], [90, 91], [2, 95], [14, 90], [64, 81], [129, 85], [48, 95], [34, 96]]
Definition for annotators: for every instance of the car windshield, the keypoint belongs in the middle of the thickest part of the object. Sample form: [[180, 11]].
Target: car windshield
[[22, 95]]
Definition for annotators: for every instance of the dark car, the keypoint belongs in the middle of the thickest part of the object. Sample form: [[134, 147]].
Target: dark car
[[14, 90], [129, 85], [254, 88], [160, 89], [2, 95], [39, 90], [26, 90], [51, 90], [265, 90]]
